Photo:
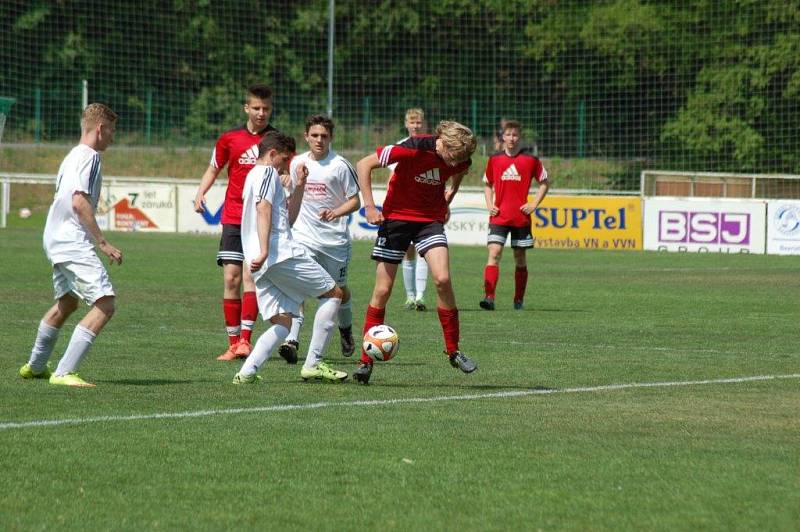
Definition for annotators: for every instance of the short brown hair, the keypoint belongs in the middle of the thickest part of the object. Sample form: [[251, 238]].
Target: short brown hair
[[260, 91], [457, 138], [275, 140], [511, 124], [320, 120], [96, 113]]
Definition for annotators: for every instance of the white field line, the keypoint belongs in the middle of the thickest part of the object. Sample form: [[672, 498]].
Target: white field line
[[381, 402]]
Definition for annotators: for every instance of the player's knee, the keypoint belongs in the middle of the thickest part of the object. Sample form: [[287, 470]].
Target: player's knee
[[336, 292], [441, 280], [106, 305], [67, 305]]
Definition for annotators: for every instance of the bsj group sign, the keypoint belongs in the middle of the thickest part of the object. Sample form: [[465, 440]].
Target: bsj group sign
[[589, 222], [727, 226]]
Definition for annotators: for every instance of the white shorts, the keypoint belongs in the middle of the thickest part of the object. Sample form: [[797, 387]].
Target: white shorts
[[85, 277], [336, 268], [285, 285]]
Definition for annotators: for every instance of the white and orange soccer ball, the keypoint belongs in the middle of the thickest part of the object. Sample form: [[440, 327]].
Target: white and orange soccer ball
[[381, 343]]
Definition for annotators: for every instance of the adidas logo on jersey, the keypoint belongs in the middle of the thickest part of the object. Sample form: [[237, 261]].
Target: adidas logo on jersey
[[511, 174], [431, 177], [250, 156]]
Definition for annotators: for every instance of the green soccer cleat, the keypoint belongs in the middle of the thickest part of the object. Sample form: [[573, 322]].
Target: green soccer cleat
[[27, 372], [410, 304], [70, 379], [246, 379], [322, 372]]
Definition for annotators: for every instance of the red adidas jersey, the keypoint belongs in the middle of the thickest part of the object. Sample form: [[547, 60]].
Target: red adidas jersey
[[237, 148], [511, 179], [416, 188]]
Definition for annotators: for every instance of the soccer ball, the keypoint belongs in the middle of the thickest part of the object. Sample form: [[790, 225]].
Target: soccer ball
[[381, 342]]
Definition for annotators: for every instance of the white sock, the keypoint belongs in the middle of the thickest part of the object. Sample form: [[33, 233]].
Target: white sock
[[294, 333], [43, 346], [346, 314], [421, 277], [79, 345], [263, 348], [408, 277], [323, 326]]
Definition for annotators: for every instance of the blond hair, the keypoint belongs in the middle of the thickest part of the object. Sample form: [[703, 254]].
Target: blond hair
[[457, 138], [415, 112], [97, 113]]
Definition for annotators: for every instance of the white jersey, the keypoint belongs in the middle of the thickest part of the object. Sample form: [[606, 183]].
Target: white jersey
[[263, 184], [392, 166], [331, 182], [65, 238]]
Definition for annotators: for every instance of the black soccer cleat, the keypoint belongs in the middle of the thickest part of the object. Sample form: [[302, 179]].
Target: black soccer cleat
[[288, 351], [347, 342], [363, 373], [461, 361], [487, 303]]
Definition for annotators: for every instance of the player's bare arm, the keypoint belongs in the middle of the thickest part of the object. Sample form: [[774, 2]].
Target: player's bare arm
[[351, 205], [528, 208], [364, 169], [300, 175], [488, 192], [455, 184], [264, 226], [83, 209], [205, 183]]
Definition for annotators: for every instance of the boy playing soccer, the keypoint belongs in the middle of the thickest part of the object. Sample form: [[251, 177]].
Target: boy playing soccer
[[331, 194], [77, 271], [283, 273], [237, 149], [414, 211], [507, 181], [415, 270]]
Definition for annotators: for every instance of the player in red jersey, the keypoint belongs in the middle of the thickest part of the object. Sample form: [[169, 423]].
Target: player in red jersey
[[238, 149], [414, 210], [507, 181]]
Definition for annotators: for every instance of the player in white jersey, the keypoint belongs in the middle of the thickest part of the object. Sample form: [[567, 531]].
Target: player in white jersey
[[77, 270], [415, 270], [331, 194], [283, 273]]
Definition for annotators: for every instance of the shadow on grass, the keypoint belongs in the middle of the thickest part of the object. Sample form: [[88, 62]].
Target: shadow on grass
[[154, 382], [526, 309]]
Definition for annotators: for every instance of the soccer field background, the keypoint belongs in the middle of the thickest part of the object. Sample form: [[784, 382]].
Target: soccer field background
[[700, 433]]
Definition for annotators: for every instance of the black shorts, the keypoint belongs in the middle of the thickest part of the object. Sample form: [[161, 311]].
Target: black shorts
[[394, 237], [230, 245], [520, 236]]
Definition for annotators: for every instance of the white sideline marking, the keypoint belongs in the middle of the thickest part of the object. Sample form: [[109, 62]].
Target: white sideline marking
[[380, 402]]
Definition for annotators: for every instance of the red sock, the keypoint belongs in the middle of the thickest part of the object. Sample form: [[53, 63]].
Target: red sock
[[520, 282], [449, 321], [490, 276], [232, 309], [375, 316], [249, 314]]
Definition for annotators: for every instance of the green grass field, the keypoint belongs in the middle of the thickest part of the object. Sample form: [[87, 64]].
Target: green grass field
[[532, 440]]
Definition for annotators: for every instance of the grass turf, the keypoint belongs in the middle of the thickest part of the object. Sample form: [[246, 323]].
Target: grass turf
[[721, 456]]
